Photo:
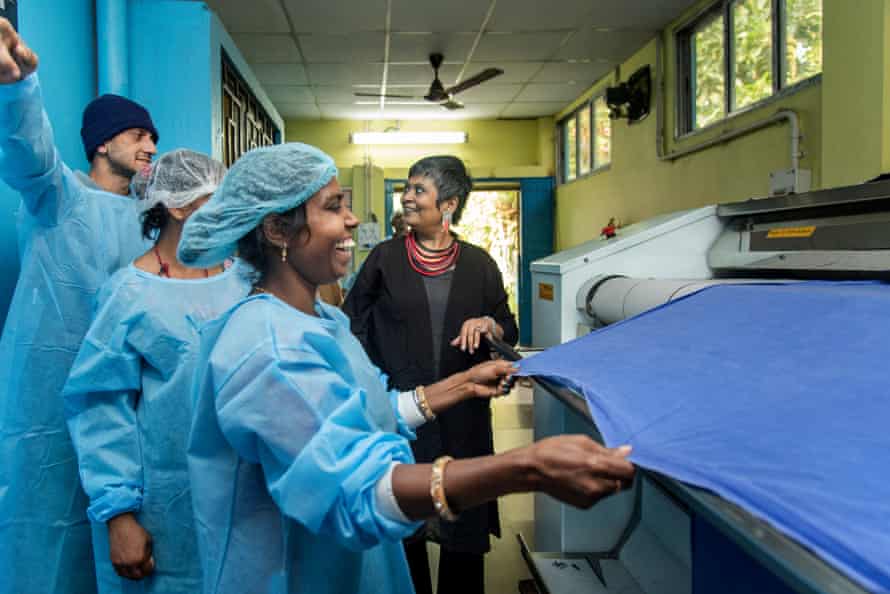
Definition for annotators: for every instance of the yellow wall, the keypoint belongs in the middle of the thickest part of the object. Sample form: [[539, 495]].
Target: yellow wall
[[639, 185], [495, 148], [855, 100], [844, 118]]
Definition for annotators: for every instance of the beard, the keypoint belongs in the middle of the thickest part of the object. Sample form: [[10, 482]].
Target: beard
[[118, 166]]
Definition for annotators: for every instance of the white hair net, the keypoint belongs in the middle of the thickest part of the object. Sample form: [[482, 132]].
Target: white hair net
[[177, 179], [266, 180]]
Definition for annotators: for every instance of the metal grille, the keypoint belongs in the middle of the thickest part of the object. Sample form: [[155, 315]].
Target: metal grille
[[246, 125]]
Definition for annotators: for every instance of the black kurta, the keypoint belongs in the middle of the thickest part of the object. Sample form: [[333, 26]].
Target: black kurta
[[390, 316]]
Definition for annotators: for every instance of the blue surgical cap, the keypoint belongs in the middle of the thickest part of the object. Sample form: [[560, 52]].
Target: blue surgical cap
[[266, 180]]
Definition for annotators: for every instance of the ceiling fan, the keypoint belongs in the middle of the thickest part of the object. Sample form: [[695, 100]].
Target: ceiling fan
[[437, 92]]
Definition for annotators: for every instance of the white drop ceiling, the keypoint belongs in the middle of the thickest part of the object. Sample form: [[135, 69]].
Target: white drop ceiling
[[312, 55]]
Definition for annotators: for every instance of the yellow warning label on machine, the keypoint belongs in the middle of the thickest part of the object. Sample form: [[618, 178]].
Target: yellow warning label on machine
[[786, 232], [545, 291]]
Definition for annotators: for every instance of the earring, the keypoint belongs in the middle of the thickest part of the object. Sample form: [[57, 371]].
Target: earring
[[446, 221], [284, 253]]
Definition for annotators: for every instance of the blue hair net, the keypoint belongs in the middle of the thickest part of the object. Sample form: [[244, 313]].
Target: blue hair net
[[266, 180]]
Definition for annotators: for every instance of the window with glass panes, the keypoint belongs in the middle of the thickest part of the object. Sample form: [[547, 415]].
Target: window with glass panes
[[739, 53], [585, 140]]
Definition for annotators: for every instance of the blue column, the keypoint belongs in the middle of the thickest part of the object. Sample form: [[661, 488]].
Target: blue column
[[111, 37]]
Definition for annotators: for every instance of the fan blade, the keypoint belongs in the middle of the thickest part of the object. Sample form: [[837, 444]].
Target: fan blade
[[451, 104], [387, 96], [479, 78]]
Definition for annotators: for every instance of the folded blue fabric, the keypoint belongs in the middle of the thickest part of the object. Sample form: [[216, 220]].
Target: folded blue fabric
[[776, 397]]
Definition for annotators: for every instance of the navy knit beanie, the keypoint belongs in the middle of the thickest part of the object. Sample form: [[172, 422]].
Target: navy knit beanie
[[109, 115]]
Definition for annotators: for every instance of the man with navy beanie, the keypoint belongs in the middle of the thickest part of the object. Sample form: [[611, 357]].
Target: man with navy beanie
[[75, 230], [119, 139]]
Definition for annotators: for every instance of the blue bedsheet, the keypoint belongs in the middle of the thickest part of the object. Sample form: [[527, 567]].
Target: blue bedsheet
[[775, 397]]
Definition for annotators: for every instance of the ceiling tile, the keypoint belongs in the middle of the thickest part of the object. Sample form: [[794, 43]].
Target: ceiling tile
[[612, 46], [533, 15], [416, 47], [532, 110], [303, 111], [482, 111], [351, 47], [583, 73], [521, 47], [635, 14], [514, 72], [289, 94], [551, 93], [410, 74], [348, 111], [338, 94], [336, 16], [345, 74], [259, 48], [489, 93], [280, 74], [437, 16], [260, 16]]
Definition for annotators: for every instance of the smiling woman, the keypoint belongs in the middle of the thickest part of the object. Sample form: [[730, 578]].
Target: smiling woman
[[297, 439], [452, 294]]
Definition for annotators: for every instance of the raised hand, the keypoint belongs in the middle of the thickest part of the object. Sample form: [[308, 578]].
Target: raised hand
[[17, 60]]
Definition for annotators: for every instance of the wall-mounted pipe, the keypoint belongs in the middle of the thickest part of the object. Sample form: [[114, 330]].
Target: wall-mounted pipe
[[112, 48], [785, 115]]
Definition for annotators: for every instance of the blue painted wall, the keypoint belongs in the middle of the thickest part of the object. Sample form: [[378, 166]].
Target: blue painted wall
[[170, 70], [63, 35], [174, 69], [179, 80]]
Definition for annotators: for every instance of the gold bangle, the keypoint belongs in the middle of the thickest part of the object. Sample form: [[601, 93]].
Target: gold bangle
[[422, 404], [437, 489]]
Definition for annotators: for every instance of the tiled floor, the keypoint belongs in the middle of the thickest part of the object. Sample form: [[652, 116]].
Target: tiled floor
[[504, 565]]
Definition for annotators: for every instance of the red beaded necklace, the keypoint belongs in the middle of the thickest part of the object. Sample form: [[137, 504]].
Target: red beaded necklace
[[165, 267], [431, 262]]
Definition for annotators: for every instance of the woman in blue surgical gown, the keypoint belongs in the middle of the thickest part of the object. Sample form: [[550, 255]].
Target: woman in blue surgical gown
[[302, 476], [127, 399]]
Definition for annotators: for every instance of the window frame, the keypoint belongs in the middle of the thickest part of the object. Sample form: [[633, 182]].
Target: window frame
[[684, 125], [562, 144]]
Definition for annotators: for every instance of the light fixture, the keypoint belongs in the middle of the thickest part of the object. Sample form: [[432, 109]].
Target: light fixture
[[401, 137]]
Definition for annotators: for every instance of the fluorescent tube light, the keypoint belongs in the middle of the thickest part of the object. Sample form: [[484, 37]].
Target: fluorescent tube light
[[408, 137]]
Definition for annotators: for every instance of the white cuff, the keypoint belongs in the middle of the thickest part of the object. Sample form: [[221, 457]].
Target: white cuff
[[386, 499], [409, 410]]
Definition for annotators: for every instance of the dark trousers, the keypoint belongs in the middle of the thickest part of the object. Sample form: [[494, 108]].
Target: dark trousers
[[459, 573]]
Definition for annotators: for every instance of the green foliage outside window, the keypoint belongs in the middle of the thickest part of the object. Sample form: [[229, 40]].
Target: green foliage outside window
[[752, 52], [571, 151], [803, 39], [710, 88], [603, 137], [584, 131]]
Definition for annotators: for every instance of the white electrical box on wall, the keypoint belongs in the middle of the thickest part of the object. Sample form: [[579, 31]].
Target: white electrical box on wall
[[786, 182]]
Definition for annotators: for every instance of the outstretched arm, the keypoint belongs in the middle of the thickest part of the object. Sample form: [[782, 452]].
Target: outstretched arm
[[29, 161]]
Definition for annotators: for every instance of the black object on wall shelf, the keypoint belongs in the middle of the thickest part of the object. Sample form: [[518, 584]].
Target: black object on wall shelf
[[631, 99]]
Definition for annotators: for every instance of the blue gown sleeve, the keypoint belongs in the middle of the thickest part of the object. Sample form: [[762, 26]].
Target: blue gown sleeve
[[100, 399], [29, 160], [404, 429], [318, 440]]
